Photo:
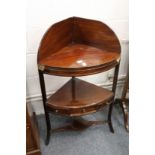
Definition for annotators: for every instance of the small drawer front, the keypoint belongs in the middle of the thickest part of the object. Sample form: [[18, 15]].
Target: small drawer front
[[79, 111]]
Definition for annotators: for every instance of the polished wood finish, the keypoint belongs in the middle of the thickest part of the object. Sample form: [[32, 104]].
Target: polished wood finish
[[78, 47], [84, 99], [58, 36], [79, 71], [32, 135], [79, 56]]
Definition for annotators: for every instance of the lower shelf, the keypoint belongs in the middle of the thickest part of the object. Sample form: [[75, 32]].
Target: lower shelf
[[77, 98]]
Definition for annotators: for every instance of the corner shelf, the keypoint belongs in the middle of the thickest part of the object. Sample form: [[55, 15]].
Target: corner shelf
[[77, 98], [78, 47]]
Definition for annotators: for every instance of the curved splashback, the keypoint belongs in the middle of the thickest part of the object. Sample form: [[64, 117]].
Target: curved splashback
[[78, 30]]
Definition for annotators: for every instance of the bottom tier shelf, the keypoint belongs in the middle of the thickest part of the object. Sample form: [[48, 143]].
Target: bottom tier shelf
[[77, 98]]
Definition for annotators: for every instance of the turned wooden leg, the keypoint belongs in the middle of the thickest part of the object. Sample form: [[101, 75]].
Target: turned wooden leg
[[47, 118]]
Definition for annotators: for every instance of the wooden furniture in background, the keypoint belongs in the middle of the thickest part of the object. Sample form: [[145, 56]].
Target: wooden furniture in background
[[78, 47], [32, 136], [123, 101]]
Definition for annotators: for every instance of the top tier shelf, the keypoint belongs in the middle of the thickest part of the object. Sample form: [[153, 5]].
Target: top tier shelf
[[78, 47]]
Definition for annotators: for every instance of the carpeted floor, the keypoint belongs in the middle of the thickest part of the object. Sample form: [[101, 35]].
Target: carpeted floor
[[96, 140]]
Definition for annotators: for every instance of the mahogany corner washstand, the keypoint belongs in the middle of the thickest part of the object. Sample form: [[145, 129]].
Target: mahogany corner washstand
[[78, 47]]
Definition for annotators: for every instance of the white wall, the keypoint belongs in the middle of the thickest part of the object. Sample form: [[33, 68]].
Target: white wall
[[43, 13]]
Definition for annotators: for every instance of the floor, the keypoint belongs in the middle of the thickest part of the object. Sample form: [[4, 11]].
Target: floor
[[96, 140]]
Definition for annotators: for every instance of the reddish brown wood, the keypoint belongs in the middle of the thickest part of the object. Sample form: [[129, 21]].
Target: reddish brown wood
[[95, 33], [87, 98], [58, 36], [79, 56], [77, 46], [79, 71], [32, 135]]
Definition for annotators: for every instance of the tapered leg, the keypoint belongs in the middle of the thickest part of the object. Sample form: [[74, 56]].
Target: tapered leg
[[48, 136], [42, 85], [111, 105], [48, 128], [109, 118]]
